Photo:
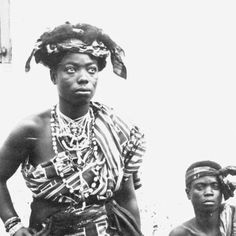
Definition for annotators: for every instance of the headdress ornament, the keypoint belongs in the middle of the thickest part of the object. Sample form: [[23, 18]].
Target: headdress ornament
[[83, 38]]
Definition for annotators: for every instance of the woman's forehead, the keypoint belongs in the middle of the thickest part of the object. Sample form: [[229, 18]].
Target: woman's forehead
[[77, 58]]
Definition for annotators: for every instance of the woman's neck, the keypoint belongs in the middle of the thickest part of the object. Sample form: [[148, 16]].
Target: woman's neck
[[73, 111]]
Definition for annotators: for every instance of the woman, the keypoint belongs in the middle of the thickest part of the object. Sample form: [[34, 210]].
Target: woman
[[79, 159]]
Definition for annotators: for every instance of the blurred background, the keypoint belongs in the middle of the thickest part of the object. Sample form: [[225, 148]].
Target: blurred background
[[181, 60]]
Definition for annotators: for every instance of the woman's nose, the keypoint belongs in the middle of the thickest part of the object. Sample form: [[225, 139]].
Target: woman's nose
[[82, 76]]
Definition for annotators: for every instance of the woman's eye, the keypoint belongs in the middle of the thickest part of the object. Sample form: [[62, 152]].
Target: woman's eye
[[70, 69], [92, 70]]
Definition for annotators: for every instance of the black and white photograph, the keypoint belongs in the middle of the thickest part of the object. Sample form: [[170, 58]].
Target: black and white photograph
[[118, 118]]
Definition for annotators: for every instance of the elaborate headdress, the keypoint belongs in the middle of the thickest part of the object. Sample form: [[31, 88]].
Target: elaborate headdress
[[83, 38], [209, 168]]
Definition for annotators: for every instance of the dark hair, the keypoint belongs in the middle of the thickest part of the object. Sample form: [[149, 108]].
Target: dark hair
[[208, 163]]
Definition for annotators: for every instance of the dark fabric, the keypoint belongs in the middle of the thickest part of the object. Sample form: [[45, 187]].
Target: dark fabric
[[122, 220], [69, 223], [227, 187], [42, 209], [53, 219]]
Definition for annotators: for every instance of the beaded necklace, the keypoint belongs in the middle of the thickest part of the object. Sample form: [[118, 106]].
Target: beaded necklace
[[75, 137], [74, 134]]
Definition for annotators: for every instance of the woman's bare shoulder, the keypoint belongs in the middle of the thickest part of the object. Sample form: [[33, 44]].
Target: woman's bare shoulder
[[20, 142], [29, 127]]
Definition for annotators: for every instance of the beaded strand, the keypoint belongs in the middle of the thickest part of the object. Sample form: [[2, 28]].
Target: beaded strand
[[55, 126]]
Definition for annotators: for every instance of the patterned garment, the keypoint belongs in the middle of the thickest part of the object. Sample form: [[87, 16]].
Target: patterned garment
[[228, 220], [63, 180]]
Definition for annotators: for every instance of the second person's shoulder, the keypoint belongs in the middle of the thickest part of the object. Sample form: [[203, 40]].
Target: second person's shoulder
[[179, 231]]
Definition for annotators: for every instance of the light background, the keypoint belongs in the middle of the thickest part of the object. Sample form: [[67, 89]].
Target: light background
[[181, 60]]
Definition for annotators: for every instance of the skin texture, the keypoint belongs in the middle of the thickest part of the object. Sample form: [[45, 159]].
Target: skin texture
[[206, 197], [76, 80]]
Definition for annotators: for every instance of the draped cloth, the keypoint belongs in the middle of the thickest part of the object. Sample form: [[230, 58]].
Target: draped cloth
[[109, 219], [56, 184], [228, 220], [91, 221]]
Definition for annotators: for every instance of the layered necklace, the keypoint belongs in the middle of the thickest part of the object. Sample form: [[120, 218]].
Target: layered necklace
[[77, 139], [74, 136]]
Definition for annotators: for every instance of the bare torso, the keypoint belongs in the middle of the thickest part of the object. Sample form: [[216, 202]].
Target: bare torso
[[190, 228]]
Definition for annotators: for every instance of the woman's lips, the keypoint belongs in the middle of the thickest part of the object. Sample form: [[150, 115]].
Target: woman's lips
[[83, 91], [209, 202]]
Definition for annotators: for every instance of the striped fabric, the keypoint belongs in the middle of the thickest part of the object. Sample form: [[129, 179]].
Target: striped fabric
[[121, 148], [199, 172], [228, 220]]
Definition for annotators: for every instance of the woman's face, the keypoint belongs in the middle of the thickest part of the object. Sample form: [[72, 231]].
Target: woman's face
[[76, 78]]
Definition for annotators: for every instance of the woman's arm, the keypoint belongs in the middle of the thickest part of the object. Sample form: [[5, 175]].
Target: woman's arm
[[126, 198], [10, 158], [12, 153]]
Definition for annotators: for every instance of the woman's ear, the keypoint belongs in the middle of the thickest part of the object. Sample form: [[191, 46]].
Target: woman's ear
[[53, 76]]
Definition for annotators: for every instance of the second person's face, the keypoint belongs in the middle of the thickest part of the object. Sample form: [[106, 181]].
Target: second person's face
[[76, 78], [205, 194]]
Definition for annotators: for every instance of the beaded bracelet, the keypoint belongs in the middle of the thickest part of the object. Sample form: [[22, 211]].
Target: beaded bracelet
[[11, 222], [8, 221], [15, 228]]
